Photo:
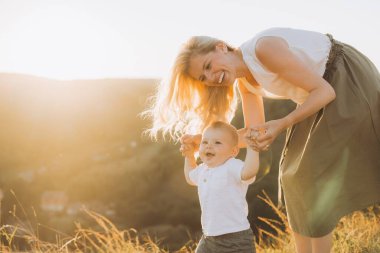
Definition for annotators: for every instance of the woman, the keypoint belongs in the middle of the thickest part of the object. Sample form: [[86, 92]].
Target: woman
[[330, 164]]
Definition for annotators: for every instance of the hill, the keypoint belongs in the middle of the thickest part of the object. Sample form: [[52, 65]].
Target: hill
[[82, 139]]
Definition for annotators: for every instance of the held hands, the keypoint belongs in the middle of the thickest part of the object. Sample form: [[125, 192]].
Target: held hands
[[260, 137], [187, 150], [190, 144]]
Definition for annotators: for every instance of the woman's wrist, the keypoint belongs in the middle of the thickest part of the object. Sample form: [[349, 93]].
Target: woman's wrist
[[286, 122]]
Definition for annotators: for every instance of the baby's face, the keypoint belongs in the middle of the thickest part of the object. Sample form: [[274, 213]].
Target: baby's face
[[216, 147]]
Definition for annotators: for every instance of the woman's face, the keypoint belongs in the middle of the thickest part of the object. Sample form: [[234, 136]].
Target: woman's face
[[214, 68]]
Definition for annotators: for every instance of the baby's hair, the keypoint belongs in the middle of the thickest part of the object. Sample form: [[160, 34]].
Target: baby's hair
[[232, 131]]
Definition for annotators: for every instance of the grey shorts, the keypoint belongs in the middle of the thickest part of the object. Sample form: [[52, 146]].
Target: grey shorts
[[238, 242]]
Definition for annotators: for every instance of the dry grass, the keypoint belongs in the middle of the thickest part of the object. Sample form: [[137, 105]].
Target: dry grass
[[356, 233]]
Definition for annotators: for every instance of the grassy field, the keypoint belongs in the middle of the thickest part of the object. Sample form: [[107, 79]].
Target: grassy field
[[356, 233]]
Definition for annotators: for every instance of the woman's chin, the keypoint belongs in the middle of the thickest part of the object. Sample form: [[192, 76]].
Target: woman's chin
[[229, 82]]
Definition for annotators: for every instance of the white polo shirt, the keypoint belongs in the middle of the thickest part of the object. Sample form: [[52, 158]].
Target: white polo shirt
[[222, 197]]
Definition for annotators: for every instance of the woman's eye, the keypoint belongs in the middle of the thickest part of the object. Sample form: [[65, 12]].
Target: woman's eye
[[204, 142], [208, 66], [218, 142]]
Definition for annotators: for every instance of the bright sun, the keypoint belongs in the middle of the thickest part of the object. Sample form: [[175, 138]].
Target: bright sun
[[91, 39], [62, 43]]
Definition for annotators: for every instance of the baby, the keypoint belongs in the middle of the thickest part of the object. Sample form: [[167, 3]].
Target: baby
[[222, 182]]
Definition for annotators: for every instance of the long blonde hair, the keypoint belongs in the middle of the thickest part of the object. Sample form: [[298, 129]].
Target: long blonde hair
[[185, 105]]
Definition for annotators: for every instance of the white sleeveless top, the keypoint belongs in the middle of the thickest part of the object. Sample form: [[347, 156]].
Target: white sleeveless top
[[312, 48]]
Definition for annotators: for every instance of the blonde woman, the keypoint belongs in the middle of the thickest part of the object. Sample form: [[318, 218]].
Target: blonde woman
[[330, 163]]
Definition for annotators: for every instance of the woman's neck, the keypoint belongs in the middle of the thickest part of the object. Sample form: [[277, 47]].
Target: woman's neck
[[241, 68]]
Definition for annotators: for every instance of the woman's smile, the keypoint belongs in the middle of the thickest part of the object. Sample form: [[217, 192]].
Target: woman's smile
[[213, 68], [221, 78]]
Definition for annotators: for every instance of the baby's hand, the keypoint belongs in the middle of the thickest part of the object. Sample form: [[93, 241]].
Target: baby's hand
[[194, 140], [251, 136], [187, 150]]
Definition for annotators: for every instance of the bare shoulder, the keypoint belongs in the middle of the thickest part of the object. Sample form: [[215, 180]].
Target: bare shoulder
[[269, 45], [273, 52]]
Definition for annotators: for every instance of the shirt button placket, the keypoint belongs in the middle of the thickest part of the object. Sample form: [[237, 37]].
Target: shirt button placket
[[206, 181]]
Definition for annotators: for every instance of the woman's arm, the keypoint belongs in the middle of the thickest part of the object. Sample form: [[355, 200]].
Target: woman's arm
[[253, 112], [275, 55]]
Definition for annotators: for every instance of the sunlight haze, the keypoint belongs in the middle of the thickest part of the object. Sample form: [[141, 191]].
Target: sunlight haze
[[88, 39]]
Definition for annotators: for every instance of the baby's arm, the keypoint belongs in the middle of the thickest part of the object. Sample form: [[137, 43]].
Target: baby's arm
[[188, 151], [251, 164]]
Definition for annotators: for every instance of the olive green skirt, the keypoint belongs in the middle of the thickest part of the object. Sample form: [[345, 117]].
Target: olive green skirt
[[330, 164]]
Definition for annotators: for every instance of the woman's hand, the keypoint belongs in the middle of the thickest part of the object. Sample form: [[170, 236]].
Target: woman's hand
[[262, 136], [190, 139], [251, 135]]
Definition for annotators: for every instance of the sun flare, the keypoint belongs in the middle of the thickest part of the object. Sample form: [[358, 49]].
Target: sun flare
[[59, 42]]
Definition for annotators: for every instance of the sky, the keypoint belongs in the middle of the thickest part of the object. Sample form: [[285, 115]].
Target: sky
[[90, 39]]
